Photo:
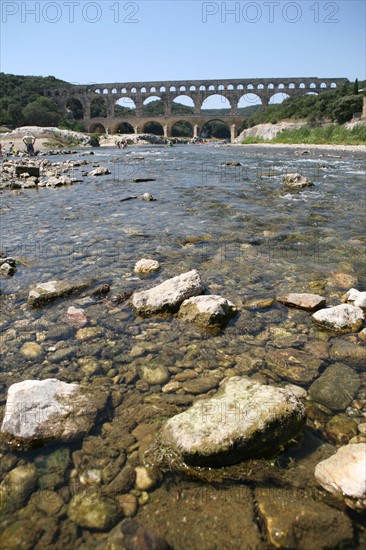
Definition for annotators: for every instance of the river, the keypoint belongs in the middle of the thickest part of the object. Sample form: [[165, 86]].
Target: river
[[250, 238]]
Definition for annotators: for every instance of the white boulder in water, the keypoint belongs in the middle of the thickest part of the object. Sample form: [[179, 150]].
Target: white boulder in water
[[342, 318], [38, 411], [207, 310], [169, 295], [244, 419]]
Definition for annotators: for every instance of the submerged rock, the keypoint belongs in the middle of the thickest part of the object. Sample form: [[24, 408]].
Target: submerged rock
[[353, 355], [356, 298], [169, 295], [336, 387], [299, 367], [75, 317], [90, 509], [207, 310], [293, 520], [16, 487], [309, 302], [146, 266], [342, 318], [40, 411], [297, 180], [244, 419], [344, 474], [42, 293]]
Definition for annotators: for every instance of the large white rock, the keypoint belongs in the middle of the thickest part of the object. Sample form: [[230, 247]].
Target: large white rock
[[344, 474], [40, 411], [207, 310], [168, 295], [356, 298], [244, 419], [343, 318]]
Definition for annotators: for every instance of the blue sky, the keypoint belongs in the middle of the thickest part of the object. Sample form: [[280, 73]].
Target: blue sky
[[119, 41]]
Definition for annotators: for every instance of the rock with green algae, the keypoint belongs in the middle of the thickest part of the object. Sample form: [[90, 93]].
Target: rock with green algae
[[243, 420], [16, 487], [91, 510], [41, 293]]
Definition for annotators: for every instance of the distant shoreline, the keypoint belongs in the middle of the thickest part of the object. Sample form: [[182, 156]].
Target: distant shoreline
[[305, 146]]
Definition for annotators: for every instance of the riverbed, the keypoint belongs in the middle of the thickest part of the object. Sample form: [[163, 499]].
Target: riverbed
[[250, 238]]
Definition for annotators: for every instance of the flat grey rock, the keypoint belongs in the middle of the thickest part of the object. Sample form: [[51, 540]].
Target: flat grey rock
[[168, 296], [41, 293], [336, 387], [243, 420], [309, 302], [49, 410]]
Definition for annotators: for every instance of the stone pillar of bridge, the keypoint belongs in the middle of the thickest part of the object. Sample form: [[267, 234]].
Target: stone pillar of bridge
[[86, 109], [136, 129], [110, 108], [167, 101], [232, 133], [166, 131], [138, 103], [197, 104], [195, 131], [234, 107]]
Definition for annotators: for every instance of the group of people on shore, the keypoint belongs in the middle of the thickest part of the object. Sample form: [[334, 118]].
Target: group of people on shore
[[122, 144], [28, 141]]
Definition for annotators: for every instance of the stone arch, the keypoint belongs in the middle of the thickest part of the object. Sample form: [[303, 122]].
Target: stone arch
[[96, 128], [333, 85], [162, 89], [270, 86], [202, 88], [312, 85], [172, 89], [152, 89], [279, 97], [133, 90], [250, 87], [260, 87], [124, 106], [221, 87], [215, 128], [124, 91], [192, 88], [182, 128], [156, 110], [153, 127], [114, 90], [281, 86], [323, 85], [291, 86], [240, 87], [302, 86], [249, 99], [74, 108], [211, 88], [182, 89], [97, 91], [143, 90], [182, 104], [124, 128], [105, 91], [98, 107], [311, 93], [215, 101], [230, 87]]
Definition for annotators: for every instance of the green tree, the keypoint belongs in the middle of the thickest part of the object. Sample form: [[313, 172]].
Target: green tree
[[355, 87], [15, 115], [42, 112], [346, 106]]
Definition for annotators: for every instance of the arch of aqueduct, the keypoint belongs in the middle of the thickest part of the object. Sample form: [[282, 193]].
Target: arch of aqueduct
[[198, 90]]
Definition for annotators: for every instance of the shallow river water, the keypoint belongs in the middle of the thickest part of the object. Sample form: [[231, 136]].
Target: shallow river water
[[250, 238]]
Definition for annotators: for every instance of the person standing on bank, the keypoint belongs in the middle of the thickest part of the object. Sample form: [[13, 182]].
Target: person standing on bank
[[29, 141]]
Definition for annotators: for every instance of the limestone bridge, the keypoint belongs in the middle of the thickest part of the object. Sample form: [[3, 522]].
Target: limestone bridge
[[261, 90]]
